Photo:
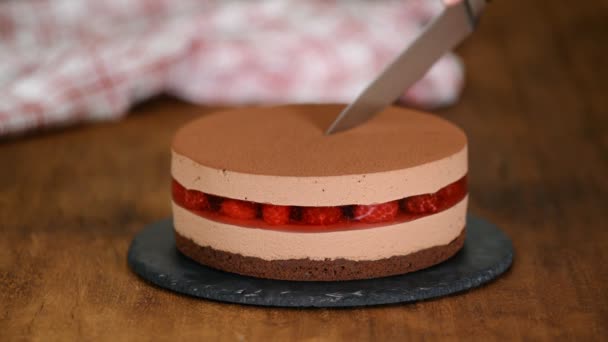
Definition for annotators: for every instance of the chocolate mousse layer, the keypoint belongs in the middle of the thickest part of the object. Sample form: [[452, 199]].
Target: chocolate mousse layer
[[318, 270], [280, 155], [290, 141]]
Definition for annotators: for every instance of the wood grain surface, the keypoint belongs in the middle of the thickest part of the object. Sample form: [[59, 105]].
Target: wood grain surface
[[536, 112]]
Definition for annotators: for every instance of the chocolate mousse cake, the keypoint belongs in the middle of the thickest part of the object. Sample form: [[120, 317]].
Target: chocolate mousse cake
[[263, 192]]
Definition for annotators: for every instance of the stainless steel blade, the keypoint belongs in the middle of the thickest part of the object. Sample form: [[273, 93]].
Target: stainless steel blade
[[448, 29]]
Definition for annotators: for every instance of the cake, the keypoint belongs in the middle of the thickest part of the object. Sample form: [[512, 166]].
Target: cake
[[263, 192]]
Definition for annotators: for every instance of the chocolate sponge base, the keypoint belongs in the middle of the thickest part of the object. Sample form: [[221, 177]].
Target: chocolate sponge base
[[317, 270]]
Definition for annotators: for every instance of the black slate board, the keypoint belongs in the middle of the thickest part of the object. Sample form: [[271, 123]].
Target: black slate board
[[487, 253]]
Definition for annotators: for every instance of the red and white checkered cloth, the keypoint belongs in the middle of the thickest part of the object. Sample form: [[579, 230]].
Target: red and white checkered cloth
[[65, 61]]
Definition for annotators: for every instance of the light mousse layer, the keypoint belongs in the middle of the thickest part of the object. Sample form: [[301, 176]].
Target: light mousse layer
[[318, 270], [280, 155], [362, 244]]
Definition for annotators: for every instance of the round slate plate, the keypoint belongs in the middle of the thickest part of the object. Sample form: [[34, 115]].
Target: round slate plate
[[487, 253]]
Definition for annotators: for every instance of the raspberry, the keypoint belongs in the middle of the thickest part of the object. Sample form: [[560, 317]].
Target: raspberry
[[456, 189], [377, 212], [177, 191], [195, 200], [239, 209], [276, 214], [421, 204], [321, 215]]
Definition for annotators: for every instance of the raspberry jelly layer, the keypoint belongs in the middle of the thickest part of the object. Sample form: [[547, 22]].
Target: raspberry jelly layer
[[315, 219]]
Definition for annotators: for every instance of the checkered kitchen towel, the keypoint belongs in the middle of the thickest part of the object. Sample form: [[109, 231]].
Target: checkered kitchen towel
[[65, 61]]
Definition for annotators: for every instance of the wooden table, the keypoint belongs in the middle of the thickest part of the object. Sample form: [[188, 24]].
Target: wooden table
[[535, 109]]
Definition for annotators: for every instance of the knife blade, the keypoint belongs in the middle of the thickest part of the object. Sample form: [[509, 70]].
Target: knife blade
[[455, 22]]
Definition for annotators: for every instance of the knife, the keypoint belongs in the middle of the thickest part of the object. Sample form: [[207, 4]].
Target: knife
[[454, 23]]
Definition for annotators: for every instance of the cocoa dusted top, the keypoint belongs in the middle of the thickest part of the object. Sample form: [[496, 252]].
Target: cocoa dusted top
[[290, 141]]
